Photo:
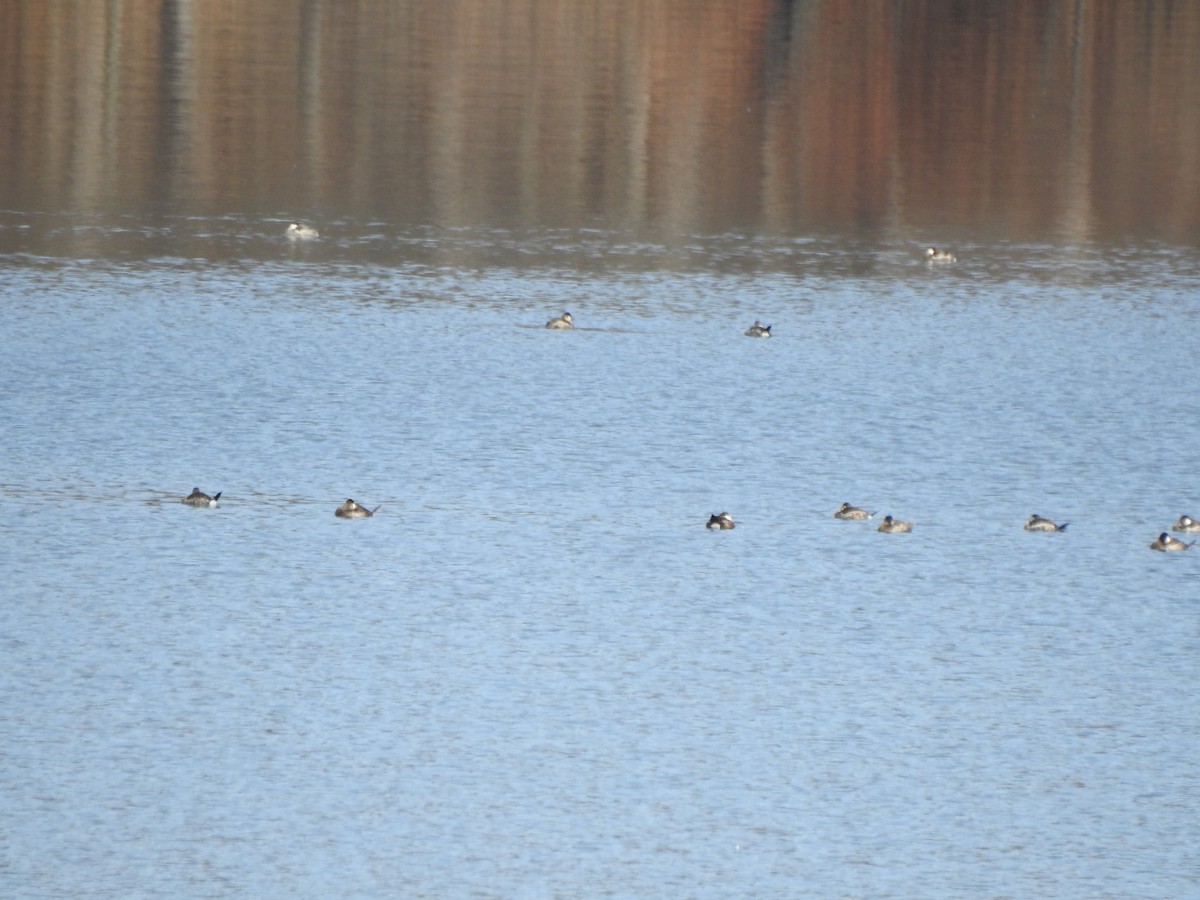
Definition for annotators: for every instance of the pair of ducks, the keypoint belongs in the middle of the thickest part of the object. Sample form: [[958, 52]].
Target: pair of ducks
[[724, 521], [298, 232], [348, 510], [858, 514], [566, 321], [894, 526]]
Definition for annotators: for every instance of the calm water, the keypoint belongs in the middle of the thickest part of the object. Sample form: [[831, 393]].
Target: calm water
[[534, 673]]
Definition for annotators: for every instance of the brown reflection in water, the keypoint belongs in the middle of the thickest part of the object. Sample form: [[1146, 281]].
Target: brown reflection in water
[[1026, 120]]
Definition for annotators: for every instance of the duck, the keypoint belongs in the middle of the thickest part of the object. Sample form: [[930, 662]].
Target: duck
[[852, 512], [1167, 543], [720, 522], [298, 232], [1186, 525], [562, 323], [198, 498], [933, 254], [352, 510], [1037, 523], [758, 329], [894, 526]]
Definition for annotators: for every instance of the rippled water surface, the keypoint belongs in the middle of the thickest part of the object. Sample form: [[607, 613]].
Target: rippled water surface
[[534, 672]]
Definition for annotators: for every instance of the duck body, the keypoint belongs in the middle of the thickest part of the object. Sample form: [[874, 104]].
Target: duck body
[[852, 513], [758, 330], [352, 510], [894, 526], [1037, 523], [933, 254], [720, 522], [1169, 544], [199, 499], [1186, 525], [564, 322], [298, 232]]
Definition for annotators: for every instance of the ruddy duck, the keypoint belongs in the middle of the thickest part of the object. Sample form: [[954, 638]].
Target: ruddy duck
[[298, 232], [720, 522], [933, 254], [894, 526], [1166, 542], [1186, 525], [1037, 523], [852, 512], [198, 498], [351, 510], [562, 323], [758, 329]]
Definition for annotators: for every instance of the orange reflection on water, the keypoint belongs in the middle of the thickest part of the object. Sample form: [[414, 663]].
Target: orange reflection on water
[[1030, 121]]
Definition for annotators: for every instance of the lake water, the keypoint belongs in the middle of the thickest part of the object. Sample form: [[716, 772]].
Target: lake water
[[534, 673]]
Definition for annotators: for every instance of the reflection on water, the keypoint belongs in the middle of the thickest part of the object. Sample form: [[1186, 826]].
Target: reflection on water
[[1059, 122]]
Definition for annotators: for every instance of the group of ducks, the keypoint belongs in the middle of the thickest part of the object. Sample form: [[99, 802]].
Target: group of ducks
[[1186, 525], [299, 232], [724, 521]]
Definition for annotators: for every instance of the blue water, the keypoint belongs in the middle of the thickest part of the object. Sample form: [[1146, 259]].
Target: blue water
[[534, 673]]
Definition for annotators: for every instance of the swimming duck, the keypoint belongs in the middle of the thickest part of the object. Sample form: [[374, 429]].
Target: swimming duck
[[1037, 523], [351, 510], [1186, 525], [298, 232], [562, 323], [720, 522], [852, 512], [1166, 542], [933, 254], [198, 498], [758, 329], [895, 526]]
